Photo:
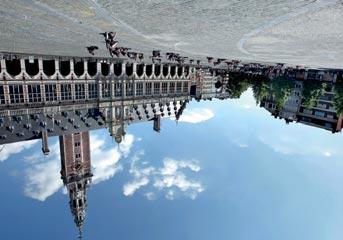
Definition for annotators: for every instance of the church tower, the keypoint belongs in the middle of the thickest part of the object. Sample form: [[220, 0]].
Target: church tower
[[76, 172]]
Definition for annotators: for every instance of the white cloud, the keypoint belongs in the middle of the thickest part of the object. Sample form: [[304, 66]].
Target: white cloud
[[43, 178], [290, 140], [141, 176], [14, 148], [34, 158], [170, 195], [196, 115], [327, 154], [170, 179], [150, 196], [130, 188], [240, 144], [178, 180], [105, 160], [125, 146], [243, 145], [171, 166]]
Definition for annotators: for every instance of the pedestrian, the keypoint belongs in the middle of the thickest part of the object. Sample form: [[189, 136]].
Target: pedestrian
[[91, 49]]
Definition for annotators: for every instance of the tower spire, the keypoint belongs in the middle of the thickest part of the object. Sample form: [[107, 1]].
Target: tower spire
[[80, 233], [76, 173]]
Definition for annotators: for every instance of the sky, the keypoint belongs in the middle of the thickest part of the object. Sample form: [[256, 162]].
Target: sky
[[227, 170]]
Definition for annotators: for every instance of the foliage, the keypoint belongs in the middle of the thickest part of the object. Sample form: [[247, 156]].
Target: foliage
[[312, 90], [338, 97], [237, 85], [281, 89], [260, 89]]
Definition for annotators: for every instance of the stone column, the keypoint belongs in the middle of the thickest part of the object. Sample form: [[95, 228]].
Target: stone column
[[112, 85], [3, 65], [25, 92], [72, 68], [57, 68], [175, 83], [123, 68], [144, 70], [40, 65], [111, 69], [134, 69], [98, 68], [6, 93], [144, 87], [73, 90], [169, 70], [123, 87], [161, 87], [58, 91], [133, 87], [85, 69], [99, 83], [42, 91], [153, 71], [22, 68], [168, 86], [86, 89]]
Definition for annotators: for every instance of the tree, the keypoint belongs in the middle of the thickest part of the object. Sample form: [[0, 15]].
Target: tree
[[237, 85], [312, 90], [338, 97], [281, 89], [260, 89]]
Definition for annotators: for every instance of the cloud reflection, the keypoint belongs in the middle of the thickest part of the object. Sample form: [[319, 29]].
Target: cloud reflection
[[196, 115], [170, 179]]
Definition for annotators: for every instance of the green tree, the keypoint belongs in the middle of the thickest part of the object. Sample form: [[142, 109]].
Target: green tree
[[237, 85], [312, 90], [261, 89], [281, 89], [338, 97]]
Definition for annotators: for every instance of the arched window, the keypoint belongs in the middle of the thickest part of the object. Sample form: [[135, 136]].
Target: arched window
[[65, 68], [140, 70], [157, 70], [32, 68], [118, 69], [105, 69], [148, 70], [129, 69], [165, 71], [49, 67], [79, 68], [13, 67], [172, 71], [92, 68]]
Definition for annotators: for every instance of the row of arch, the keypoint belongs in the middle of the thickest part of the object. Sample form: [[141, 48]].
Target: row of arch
[[53, 68]]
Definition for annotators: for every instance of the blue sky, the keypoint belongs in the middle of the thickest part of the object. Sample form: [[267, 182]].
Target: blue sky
[[228, 170]]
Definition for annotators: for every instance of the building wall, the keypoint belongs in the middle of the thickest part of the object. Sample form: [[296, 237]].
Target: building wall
[[75, 149]]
